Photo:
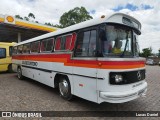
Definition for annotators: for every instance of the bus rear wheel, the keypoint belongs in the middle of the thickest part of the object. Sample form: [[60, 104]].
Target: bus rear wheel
[[19, 73], [65, 88]]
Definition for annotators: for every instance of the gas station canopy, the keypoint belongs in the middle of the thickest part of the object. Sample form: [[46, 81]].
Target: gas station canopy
[[17, 30]]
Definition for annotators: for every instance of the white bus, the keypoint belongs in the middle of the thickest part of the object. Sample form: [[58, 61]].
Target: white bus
[[96, 60]]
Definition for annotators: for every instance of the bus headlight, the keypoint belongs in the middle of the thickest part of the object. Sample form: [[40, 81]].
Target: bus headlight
[[118, 78]]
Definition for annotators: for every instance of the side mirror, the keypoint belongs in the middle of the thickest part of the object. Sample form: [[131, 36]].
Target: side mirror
[[2, 53]]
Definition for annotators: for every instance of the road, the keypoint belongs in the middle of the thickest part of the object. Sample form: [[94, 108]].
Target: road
[[29, 95]]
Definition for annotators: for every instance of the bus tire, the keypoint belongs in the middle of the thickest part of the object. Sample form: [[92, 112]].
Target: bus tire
[[10, 68], [65, 88], [19, 73]]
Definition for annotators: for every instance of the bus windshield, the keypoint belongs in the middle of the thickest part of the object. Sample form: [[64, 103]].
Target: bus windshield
[[117, 41]]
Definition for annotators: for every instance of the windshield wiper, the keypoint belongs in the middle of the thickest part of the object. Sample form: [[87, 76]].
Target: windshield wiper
[[122, 55]]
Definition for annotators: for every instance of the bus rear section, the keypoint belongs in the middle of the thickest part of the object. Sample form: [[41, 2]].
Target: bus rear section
[[5, 62]]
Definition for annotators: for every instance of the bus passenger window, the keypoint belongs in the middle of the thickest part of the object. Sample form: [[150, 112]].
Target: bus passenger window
[[92, 43], [20, 49], [14, 51], [26, 48], [73, 41], [82, 43], [58, 43], [63, 43], [86, 44], [35, 47], [68, 42], [47, 45]]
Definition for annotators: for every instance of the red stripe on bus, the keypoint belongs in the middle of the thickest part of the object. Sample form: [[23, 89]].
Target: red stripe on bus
[[65, 58]]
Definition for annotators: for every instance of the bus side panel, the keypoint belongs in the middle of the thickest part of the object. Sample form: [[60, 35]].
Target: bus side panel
[[85, 83], [40, 76]]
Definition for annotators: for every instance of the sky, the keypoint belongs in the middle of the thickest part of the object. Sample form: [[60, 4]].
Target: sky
[[146, 11]]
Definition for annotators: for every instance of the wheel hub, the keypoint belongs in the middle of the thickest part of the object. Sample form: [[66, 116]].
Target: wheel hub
[[63, 87]]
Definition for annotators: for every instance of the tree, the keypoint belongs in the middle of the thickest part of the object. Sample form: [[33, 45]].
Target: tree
[[26, 18], [31, 15], [19, 17], [49, 24], [74, 16], [159, 53], [146, 52]]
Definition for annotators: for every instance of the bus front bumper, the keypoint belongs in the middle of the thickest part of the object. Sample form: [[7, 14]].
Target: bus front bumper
[[123, 96]]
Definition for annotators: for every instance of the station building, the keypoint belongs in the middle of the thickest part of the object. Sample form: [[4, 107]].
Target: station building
[[17, 30]]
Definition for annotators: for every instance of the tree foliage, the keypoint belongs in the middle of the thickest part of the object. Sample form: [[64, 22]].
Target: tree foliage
[[19, 17], [146, 52], [74, 16], [30, 15], [69, 18]]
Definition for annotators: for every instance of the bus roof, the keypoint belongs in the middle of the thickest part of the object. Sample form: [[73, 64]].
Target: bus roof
[[118, 18]]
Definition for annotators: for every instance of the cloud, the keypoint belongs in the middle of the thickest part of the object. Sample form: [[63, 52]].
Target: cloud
[[92, 11], [128, 6], [146, 11]]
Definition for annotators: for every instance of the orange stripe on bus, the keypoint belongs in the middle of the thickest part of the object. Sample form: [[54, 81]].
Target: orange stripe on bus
[[65, 59]]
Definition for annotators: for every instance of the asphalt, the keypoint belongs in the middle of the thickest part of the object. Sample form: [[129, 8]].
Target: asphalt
[[29, 95]]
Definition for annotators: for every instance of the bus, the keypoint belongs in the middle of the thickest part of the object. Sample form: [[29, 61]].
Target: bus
[[97, 60], [6, 56]]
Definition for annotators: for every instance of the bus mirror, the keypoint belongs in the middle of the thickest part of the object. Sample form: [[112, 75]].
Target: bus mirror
[[2, 53]]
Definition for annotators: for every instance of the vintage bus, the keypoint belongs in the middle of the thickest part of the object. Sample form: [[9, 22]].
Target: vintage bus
[[96, 60], [6, 56]]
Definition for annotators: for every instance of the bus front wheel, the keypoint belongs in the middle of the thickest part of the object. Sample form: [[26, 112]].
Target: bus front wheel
[[19, 73], [65, 88]]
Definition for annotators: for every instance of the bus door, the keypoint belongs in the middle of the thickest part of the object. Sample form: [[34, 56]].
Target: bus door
[[85, 65]]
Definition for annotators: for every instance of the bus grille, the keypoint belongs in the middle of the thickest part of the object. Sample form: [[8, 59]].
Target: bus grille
[[128, 77]]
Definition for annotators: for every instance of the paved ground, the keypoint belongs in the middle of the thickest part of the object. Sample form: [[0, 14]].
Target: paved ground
[[28, 95]]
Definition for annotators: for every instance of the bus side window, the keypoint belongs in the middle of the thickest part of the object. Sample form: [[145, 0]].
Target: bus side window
[[14, 51], [64, 43], [35, 47], [47, 45], [86, 44], [26, 48], [82, 43], [73, 41], [20, 49], [68, 42], [58, 43], [92, 43]]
